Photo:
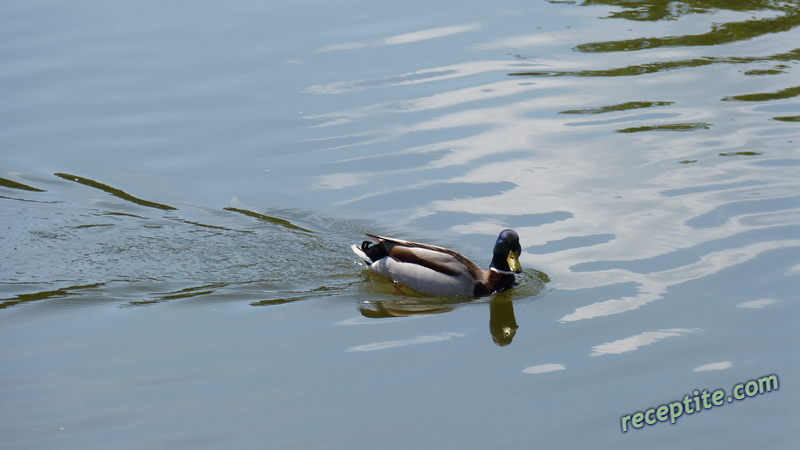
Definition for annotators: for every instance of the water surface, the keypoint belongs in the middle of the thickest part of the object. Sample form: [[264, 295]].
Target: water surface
[[180, 184]]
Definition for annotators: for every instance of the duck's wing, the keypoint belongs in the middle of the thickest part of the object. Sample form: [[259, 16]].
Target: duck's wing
[[439, 259]]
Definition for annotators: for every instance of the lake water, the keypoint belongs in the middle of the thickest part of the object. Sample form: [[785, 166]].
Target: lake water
[[181, 182]]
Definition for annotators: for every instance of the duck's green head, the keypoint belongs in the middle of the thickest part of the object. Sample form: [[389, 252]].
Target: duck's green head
[[506, 252]]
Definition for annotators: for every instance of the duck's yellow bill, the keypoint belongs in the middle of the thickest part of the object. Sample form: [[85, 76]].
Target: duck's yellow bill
[[513, 262]]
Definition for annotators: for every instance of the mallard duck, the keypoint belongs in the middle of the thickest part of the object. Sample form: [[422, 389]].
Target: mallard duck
[[438, 271]]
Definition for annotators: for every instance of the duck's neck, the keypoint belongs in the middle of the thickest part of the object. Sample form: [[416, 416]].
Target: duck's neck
[[499, 263]]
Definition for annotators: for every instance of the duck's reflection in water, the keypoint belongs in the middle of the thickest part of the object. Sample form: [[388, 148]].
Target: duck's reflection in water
[[502, 323]]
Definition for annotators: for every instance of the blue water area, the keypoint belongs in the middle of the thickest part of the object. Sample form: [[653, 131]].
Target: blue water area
[[180, 184]]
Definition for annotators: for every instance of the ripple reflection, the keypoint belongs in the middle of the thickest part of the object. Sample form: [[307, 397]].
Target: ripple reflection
[[654, 189]]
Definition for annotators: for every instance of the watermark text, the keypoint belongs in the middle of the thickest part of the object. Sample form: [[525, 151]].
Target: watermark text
[[698, 402]]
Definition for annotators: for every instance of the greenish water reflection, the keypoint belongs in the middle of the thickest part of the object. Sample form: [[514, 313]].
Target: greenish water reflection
[[654, 10], [668, 127], [119, 193], [46, 295], [269, 219], [720, 34], [788, 18], [765, 97], [613, 108], [17, 185], [662, 66]]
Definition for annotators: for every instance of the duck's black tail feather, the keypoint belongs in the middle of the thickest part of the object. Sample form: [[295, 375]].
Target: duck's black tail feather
[[373, 252]]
